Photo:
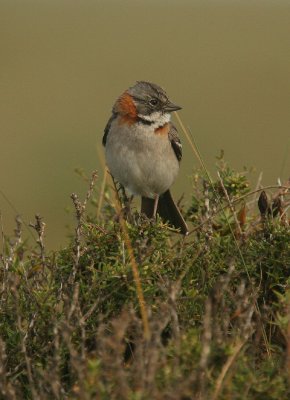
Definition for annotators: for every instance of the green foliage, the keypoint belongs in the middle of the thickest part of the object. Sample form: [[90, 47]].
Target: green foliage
[[218, 305]]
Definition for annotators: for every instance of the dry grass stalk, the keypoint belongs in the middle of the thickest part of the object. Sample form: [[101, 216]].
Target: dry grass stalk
[[137, 280], [231, 359], [134, 266], [102, 193]]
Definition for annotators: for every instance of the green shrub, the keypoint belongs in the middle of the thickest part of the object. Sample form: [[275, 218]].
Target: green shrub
[[217, 304]]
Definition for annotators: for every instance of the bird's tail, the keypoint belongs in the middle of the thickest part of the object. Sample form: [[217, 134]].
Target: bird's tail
[[167, 209]]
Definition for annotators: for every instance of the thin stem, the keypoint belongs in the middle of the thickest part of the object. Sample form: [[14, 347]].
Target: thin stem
[[134, 266]]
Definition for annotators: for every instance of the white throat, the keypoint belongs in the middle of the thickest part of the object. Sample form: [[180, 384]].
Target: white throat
[[157, 118]]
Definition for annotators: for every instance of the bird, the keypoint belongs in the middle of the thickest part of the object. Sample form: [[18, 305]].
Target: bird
[[143, 150]]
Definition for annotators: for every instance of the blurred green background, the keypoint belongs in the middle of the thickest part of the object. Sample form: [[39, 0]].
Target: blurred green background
[[63, 63]]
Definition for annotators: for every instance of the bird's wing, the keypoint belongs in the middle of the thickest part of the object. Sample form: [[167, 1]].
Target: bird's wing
[[167, 209], [175, 142], [107, 128]]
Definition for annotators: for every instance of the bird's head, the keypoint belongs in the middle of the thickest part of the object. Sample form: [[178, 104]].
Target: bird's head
[[147, 102]]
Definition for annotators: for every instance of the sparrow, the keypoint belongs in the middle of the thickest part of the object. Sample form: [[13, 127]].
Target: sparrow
[[143, 150]]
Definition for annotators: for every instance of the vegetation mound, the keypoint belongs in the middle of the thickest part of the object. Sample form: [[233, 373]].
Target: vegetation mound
[[132, 310]]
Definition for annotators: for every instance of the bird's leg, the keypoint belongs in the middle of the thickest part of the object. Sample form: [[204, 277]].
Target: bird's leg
[[127, 201], [155, 206], [124, 200], [123, 194], [127, 207]]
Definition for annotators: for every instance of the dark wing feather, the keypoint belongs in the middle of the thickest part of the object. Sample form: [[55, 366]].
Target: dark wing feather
[[167, 209], [175, 142], [107, 128]]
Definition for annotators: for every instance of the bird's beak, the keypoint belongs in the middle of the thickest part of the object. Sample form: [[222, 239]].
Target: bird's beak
[[171, 107]]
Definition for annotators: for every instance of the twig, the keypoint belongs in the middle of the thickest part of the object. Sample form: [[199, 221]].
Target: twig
[[206, 342], [80, 210], [39, 227]]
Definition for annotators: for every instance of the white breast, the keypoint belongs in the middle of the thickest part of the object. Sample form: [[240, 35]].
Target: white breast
[[141, 160]]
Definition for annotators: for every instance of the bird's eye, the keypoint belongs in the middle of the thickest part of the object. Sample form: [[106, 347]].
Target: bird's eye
[[153, 102]]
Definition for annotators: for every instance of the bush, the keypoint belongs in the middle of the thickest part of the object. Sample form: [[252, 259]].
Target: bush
[[217, 303]]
